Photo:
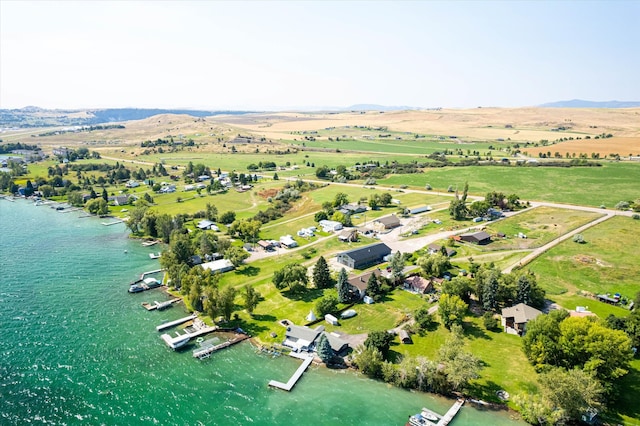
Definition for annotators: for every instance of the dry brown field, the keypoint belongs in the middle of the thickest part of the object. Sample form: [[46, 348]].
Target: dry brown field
[[616, 145], [479, 124]]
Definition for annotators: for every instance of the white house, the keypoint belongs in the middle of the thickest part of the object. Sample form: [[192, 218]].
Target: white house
[[288, 241], [330, 225], [222, 265]]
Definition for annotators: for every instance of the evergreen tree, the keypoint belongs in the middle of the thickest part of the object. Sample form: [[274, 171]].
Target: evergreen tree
[[374, 289], [324, 349], [105, 195], [397, 266], [490, 291], [321, 275], [524, 289], [344, 295]]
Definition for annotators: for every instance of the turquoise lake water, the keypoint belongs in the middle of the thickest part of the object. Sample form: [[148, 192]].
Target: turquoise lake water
[[76, 348]]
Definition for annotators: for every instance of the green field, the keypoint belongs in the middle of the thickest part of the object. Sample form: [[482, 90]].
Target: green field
[[609, 262], [590, 186]]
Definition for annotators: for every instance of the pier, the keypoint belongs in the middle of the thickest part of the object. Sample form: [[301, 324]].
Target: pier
[[307, 359], [159, 306], [198, 328], [430, 418], [112, 223], [176, 322], [144, 274], [207, 349]]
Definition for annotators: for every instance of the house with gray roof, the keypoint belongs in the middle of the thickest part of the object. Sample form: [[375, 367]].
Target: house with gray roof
[[515, 319]]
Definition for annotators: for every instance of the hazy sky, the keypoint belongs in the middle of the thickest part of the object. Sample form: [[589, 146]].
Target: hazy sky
[[267, 55]]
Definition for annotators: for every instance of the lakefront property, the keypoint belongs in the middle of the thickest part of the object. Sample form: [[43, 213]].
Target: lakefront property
[[262, 248]]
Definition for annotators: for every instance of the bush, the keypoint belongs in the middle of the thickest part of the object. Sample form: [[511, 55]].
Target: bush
[[578, 238], [489, 321], [635, 216]]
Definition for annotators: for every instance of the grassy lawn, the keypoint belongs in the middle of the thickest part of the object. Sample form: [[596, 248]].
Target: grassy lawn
[[541, 225], [609, 261]]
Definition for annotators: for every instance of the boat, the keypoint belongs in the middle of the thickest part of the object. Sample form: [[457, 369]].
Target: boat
[[163, 305], [154, 256], [348, 314], [136, 288], [176, 342], [151, 282], [423, 418]]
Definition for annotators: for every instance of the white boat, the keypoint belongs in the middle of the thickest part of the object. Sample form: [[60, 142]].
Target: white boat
[[154, 256], [423, 418], [348, 314]]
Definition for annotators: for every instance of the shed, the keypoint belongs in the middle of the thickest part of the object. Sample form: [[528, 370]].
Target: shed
[[405, 338], [331, 319], [368, 300], [363, 257], [421, 209], [387, 222], [288, 241], [348, 235], [480, 238]]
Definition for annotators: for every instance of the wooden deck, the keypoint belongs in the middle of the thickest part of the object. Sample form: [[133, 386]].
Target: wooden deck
[[153, 306], [446, 419], [206, 352], [296, 376]]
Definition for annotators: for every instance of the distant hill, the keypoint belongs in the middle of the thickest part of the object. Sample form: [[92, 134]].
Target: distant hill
[[38, 117], [374, 107], [579, 103]]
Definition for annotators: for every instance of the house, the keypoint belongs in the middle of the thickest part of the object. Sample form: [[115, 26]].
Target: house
[[301, 338], [479, 238], [352, 208], [515, 318], [404, 337], [265, 245], [359, 283], [417, 284], [387, 222], [363, 257], [120, 200], [288, 241], [436, 248], [132, 184], [330, 225], [348, 235], [218, 266], [207, 224]]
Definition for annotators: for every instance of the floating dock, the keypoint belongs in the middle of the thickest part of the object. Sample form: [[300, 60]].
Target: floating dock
[[155, 256], [155, 305], [176, 322], [206, 350], [307, 359], [198, 329]]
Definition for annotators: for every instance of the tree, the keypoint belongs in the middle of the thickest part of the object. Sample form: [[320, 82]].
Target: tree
[[368, 360], [227, 217], [340, 199], [321, 215], [490, 290], [211, 212], [572, 392], [105, 195], [578, 238], [321, 274], [236, 255], [293, 276], [423, 318], [327, 305], [451, 310], [275, 176], [380, 340], [226, 302], [397, 267], [135, 218], [374, 289], [324, 349], [344, 288], [97, 206], [459, 286], [434, 264], [540, 343], [251, 298], [385, 199]]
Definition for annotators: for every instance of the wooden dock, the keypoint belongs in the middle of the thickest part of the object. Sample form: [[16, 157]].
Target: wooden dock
[[112, 223], [427, 414], [176, 322], [154, 306], [206, 351], [446, 419], [307, 359]]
